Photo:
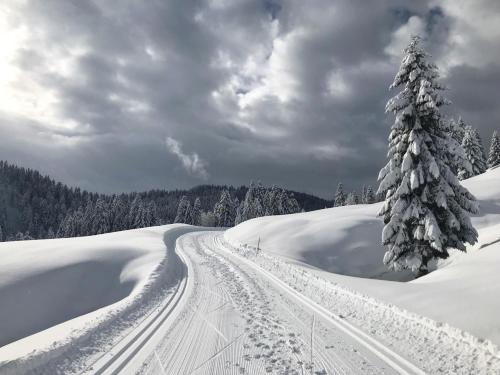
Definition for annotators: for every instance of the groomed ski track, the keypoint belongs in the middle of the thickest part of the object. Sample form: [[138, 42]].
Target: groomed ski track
[[230, 316]]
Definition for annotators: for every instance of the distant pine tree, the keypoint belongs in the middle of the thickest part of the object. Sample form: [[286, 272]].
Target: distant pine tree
[[352, 198], [196, 212], [457, 130], [474, 152], [224, 210], [494, 155], [183, 211], [363, 194], [459, 159], [340, 198], [370, 195], [251, 207]]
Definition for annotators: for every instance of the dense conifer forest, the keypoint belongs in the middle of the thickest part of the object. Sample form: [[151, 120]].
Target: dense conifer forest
[[34, 206]]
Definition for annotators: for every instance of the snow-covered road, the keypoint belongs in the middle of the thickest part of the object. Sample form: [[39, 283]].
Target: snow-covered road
[[231, 316]]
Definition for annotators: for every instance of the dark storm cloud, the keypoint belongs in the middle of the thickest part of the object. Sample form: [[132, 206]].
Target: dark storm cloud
[[288, 92]]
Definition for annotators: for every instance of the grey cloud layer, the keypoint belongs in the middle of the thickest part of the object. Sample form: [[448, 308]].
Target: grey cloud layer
[[287, 92]]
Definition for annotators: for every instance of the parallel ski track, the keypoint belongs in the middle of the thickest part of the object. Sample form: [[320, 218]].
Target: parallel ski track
[[113, 361], [387, 355]]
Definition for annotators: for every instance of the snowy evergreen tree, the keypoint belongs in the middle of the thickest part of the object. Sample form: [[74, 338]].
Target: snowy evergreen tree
[[459, 159], [134, 211], [494, 156], [118, 214], [340, 198], [99, 220], [291, 205], [224, 210], [208, 219], [146, 215], [183, 211], [370, 195], [196, 212], [457, 129], [426, 210], [352, 198], [50, 233], [272, 203], [279, 202], [251, 206], [363, 194], [474, 152], [1, 234]]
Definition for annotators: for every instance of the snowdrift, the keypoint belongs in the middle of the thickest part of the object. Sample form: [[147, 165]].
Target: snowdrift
[[52, 289]]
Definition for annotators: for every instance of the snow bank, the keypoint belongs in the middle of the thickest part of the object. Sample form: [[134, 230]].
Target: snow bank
[[343, 240], [52, 291]]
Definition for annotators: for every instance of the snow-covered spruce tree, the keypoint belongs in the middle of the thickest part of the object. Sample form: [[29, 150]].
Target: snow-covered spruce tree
[[208, 219], [474, 152], [251, 206], [224, 210], [339, 196], [459, 161], [196, 212], [370, 195], [99, 222], [352, 198], [457, 129], [291, 205], [272, 202], [183, 211], [363, 194], [133, 211], [118, 213], [1, 234], [50, 234], [426, 210], [494, 156]]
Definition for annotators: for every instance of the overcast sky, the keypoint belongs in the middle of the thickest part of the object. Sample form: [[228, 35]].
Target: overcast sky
[[127, 95]]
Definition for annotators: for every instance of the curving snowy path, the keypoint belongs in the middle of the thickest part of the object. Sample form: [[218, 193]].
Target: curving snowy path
[[231, 316], [218, 308]]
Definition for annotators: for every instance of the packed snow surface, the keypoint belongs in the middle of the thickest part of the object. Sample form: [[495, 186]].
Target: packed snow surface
[[463, 291]]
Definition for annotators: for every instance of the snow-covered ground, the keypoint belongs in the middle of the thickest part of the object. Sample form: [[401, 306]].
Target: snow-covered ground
[[462, 292]]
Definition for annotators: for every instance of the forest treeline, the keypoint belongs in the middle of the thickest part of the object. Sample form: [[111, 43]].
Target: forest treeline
[[34, 206]]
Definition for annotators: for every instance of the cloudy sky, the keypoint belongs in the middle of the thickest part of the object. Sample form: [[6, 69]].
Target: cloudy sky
[[130, 95]]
